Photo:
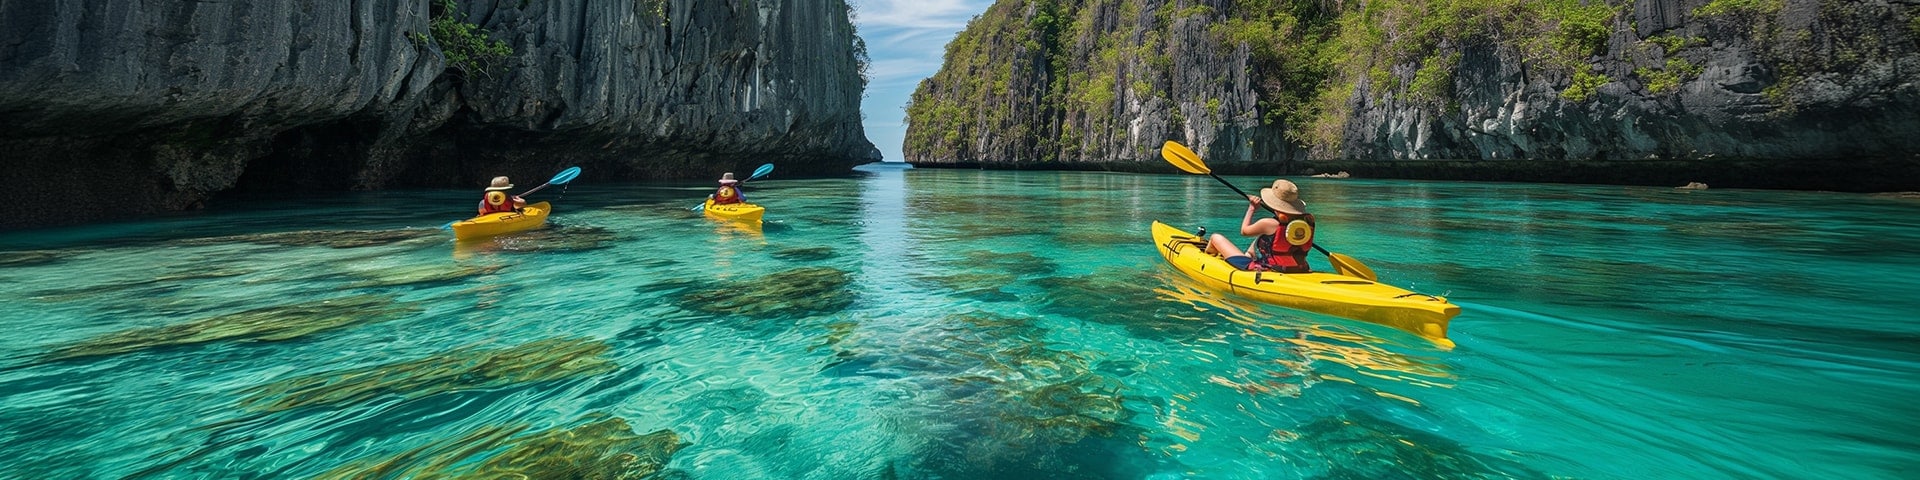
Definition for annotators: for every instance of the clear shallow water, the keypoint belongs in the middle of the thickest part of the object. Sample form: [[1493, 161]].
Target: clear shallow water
[[962, 324]]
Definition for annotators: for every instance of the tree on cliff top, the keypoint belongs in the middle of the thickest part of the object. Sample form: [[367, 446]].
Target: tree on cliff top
[[466, 46]]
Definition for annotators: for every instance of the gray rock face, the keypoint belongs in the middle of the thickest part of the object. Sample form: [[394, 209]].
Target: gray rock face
[[1818, 94], [1103, 98], [1738, 107], [125, 108]]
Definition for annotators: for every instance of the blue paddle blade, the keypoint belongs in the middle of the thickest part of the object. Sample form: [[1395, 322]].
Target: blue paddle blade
[[761, 172], [565, 176]]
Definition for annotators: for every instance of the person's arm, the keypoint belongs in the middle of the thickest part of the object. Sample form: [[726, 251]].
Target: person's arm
[[519, 202], [1247, 223]]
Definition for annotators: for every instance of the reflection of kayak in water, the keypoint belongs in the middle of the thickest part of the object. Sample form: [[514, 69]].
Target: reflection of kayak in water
[[739, 212], [528, 218], [1327, 293]]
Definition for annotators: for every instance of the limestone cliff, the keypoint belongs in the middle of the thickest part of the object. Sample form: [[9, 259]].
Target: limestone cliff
[[1762, 93], [117, 108]]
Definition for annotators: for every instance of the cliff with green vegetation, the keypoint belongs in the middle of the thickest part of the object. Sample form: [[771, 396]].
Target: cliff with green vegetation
[[128, 108], [1763, 93]]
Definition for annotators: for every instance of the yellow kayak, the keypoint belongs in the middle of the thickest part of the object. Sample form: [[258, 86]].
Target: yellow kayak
[[528, 218], [740, 212], [1327, 293]]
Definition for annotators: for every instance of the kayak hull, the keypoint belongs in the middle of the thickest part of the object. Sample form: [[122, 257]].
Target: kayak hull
[[528, 218], [1326, 293], [739, 212]]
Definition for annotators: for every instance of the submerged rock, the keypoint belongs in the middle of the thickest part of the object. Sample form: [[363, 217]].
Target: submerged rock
[[1098, 237], [275, 323], [31, 257], [798, 292], [1126, 298], [982, 286], [1017, 263], [804, 254], [419, 275], [1010, 404], [461, 369], [605, 449], [322, 238], [151, 286], [1357, 445]]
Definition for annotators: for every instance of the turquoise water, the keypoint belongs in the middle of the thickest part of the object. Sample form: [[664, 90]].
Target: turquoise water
[[964, 324]]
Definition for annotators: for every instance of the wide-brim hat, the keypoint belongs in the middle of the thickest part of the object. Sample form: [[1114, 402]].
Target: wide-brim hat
[[1284, 196], [500, 184], [727, 179]]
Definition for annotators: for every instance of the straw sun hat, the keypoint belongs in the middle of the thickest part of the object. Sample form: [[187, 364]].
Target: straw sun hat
[[1283, 196], [500, 184]]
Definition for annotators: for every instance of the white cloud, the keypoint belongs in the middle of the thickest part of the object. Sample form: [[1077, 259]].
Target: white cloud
[[918, 14]]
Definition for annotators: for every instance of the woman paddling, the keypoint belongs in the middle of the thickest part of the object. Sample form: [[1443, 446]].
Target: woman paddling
[[1281, 242], [729, 192], [497, 200]]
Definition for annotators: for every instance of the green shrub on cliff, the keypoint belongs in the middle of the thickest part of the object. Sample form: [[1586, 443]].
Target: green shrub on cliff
[[1670, 44], [466, 46], [1585, 83], [1726, 7], [1433, 83], [1669, 79]]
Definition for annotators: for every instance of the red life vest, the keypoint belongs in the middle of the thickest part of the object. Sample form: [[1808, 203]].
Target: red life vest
[[728, 194], [1285, 250], [491, 203]]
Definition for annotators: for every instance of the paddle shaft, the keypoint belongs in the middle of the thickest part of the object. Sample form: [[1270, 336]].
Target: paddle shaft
[[1243, 194], [535, 189]]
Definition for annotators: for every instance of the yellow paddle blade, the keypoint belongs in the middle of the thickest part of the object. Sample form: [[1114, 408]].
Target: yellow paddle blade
[[1183, 158], [1348, 266]]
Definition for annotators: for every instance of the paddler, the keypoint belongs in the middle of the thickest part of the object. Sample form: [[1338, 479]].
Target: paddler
[[729, 192], [496, 200], [1281, 242]]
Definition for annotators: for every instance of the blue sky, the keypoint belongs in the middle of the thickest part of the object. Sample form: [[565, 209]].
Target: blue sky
[[905, 39]]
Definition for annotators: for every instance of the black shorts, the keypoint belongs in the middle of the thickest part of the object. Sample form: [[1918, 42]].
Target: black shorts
[[1240, 261]]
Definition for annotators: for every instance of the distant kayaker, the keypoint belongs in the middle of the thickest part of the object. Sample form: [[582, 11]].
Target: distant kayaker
[[497, 200], [729, 192], [1281, 242]]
